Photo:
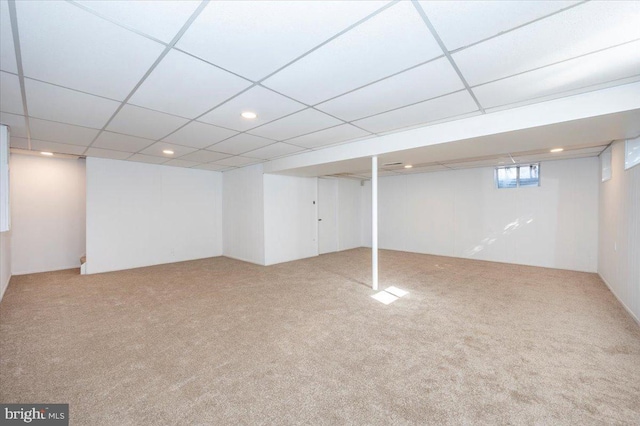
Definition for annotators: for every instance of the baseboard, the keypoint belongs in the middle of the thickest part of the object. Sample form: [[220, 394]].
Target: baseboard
[[4, 287], [588, 271], [626, 308], [88, 270], [54, 269], [243, 260]]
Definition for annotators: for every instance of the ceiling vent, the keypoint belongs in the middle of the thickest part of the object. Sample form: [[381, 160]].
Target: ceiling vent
[[393, 164]]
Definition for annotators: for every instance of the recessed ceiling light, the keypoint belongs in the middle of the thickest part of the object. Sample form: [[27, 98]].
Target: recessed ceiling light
[[408, 166], [557, 150], [167, 151], [249, 115], [47, 153]]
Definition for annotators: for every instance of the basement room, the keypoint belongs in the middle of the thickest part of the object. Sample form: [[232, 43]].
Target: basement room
[[319, 212]]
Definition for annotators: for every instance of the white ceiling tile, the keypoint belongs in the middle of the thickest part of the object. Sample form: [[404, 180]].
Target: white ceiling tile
[[120, 142], [18, 142], [16, 123], [373, 50], [132, 120], [583, 29], [7, 52], [332, 135], [186, 86], [10, 94], [67, 106], [460, 23], [601, 67], [254, 39], [141, 158], [409, 87], [436, 109], [107, 153], [181, 163], [204, 156], [199, 135], [300, 123], [237, 161], [241, 143], [55, 147], [159, 19], [59, 132], [157, 148], [277, 149], [63, 44], [267, 104], [211, 167]]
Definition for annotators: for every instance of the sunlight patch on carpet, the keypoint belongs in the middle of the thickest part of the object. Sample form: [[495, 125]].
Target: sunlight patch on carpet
[[390, 295], [385, 297], [398, 292]]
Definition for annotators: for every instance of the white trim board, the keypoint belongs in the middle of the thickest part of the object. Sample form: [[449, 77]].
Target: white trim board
[[629, 311], [54, 269], [242, 260], [4, 287]]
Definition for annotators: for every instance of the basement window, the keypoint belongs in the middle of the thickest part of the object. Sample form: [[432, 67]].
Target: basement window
[[518, 176], [631, 153]]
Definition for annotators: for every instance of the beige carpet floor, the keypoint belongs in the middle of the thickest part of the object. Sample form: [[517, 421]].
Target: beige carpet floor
[[218, 341]]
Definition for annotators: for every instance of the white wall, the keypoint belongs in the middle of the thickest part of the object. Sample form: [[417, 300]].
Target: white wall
[[47, 213], [349, 214], [619, 232], [5, 237], [271, 219], [5, 261], [460, 213], [290, 218], [243, 215], [144, 214]]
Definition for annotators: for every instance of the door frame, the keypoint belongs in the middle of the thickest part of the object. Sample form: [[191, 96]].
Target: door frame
[[335, 213]]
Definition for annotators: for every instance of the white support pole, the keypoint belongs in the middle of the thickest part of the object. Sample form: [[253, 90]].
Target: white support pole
[[374, 221]]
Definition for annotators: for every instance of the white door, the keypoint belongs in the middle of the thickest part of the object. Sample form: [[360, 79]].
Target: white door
[[327, 215]]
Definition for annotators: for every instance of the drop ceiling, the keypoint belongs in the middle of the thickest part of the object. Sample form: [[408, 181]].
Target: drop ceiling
[[127, 80]]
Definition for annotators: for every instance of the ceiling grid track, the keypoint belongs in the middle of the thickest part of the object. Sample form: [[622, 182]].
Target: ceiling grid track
[[259, 82], [556, 63], [277, 136], [114, 22], [533, 21], [435, 35], [164, 53], [13, 16]]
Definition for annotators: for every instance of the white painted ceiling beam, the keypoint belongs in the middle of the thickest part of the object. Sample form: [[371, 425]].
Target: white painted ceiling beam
[[593, 104]]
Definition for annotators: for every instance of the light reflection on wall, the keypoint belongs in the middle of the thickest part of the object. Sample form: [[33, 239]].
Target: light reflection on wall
[[508, 229]]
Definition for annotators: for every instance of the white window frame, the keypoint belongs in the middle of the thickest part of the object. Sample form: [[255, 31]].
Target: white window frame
[[630, 148], [517, 166]]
